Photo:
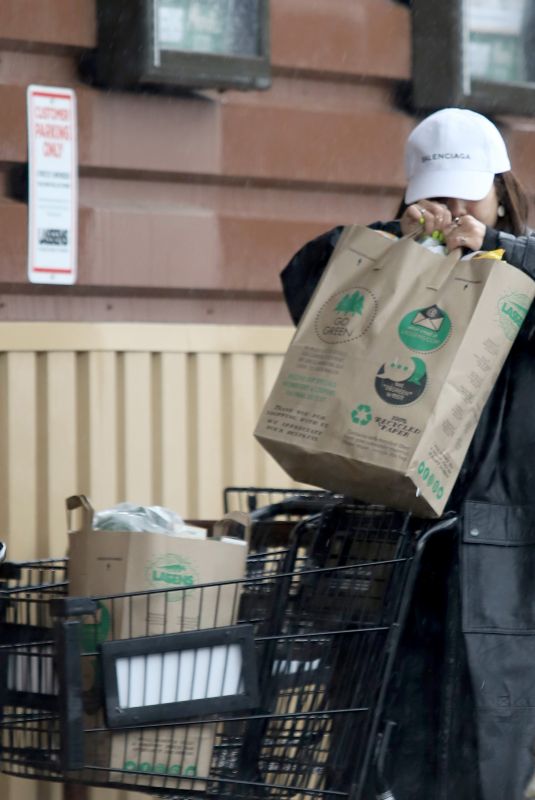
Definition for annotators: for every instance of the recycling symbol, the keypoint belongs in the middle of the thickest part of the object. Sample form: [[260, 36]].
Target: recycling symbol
[[361, 415]]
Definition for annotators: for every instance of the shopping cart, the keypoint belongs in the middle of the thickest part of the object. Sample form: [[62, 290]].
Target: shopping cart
[[275, 503], [285, 702], [29, 666]]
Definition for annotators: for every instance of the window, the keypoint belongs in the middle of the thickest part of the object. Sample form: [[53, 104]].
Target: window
[[183, 43], [476, 53]]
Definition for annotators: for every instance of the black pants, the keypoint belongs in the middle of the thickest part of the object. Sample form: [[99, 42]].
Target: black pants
[[433, 753]]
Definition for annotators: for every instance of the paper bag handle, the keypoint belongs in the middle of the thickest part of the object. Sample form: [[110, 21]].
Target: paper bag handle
[[75, 502], [444, 270], [415, 234]]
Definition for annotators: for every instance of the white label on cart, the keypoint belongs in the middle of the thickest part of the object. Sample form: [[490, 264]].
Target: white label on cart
[[52, 185], [177, 677]]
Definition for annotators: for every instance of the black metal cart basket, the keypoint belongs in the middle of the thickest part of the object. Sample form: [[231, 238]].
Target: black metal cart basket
[[284, 702]]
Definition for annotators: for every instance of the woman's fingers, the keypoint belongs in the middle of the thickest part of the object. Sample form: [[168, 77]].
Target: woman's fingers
[[437, 216], [413, 219], [443, 218], [427, 216], [465, 231]]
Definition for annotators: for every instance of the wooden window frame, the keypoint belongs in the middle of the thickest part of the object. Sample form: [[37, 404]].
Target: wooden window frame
[[438, 66], [125, 55]]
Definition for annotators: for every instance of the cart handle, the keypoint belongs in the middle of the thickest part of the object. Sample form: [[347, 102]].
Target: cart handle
[[445, 523], [294, 505]]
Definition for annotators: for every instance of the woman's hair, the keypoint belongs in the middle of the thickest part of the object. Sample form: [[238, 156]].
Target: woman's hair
[[513, 198]]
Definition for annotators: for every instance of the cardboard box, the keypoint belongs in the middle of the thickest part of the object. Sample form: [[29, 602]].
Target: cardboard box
[[111, 562]]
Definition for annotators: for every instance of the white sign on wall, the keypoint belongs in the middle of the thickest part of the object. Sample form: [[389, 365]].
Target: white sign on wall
[[52, 185]]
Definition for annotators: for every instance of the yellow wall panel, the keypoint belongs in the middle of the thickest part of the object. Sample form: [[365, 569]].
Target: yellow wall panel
[[4, 445], [61, 442], [159, 414], [242, 403], [174, 465], [152, 414], [210, 417], [98, 427], [20, 455], [135, 423]]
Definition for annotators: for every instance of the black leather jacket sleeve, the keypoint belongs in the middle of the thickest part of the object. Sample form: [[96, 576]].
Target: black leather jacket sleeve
[[519, 250], [302, 273]]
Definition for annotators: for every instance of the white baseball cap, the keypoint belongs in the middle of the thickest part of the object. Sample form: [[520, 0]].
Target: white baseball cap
[[453, 153]]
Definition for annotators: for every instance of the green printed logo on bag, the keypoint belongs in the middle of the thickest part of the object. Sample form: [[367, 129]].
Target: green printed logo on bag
[[346, 315], [171, 571], [425, 329], [361, 415], [428, 478], [513, 309], [400, 383], [352, 303], [94, 633]]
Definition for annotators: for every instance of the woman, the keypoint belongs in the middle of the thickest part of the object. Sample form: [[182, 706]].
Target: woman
[[468, 221], [464, 695]]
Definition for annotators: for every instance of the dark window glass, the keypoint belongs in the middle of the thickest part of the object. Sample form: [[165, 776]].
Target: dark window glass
[[497, 35], [474, 53], [222, 27]]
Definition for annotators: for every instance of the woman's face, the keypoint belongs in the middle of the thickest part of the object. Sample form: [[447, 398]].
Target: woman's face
[[485, 210]]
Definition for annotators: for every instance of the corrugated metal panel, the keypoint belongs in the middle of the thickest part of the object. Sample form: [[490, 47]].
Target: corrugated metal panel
[[158, 414], [153, 414]]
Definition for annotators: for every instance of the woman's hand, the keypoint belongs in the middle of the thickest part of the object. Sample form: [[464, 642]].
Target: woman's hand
[[465, 231], [428, 216]]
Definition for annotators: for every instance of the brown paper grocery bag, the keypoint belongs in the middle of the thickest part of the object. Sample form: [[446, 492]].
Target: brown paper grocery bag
[[385, 379], [110, 562]]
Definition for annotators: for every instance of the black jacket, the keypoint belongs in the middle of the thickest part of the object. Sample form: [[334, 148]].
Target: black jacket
[[464, 691]]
